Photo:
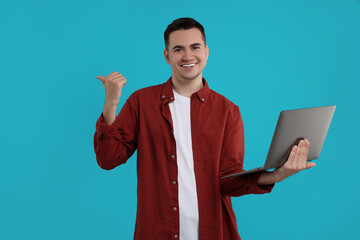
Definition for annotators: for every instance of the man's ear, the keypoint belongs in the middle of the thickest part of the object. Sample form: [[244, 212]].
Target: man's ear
[[166, 55], [207, 52]]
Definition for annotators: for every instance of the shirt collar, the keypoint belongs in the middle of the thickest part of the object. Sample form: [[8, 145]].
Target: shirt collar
[[167, 91]]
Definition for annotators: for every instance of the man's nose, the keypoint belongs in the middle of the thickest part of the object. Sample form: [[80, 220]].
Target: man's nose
[[187, 55]]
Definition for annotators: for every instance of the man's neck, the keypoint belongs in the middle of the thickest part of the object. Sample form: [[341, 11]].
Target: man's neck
[[187, 87]]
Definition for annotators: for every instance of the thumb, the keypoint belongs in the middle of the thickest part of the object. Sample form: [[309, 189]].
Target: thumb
[[102, 79], [310, 165]]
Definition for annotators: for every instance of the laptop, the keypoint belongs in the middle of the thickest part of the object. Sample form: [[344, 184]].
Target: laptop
[[293, 125]]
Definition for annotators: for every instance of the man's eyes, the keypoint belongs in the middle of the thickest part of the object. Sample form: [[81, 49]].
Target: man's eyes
[[179, 49]]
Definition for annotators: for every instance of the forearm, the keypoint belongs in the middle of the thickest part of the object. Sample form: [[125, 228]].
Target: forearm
[[109, 112], [267, 178], [241, 185]]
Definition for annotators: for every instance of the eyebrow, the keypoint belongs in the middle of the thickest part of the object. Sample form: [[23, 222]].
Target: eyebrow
[[192, 45]]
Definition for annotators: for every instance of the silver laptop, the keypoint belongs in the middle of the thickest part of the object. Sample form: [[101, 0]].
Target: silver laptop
[[293, 125]]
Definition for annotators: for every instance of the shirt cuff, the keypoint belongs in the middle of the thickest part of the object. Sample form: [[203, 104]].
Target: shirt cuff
[[106, 130], [254, 187]]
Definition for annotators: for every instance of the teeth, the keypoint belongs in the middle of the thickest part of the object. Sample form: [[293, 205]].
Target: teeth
[[190, 65]]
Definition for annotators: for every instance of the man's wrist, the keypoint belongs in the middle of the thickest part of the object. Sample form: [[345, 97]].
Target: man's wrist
[[109, 114], [267, 178], [275, 177], [110, 104]]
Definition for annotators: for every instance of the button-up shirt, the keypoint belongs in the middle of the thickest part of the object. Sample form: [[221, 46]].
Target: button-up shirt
[[145, 124]]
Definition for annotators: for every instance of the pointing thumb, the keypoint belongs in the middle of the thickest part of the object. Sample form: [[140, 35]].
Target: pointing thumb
[[102, 79]]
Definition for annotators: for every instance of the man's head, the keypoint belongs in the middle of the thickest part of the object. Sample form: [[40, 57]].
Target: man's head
[[183, 24], [186, 50]]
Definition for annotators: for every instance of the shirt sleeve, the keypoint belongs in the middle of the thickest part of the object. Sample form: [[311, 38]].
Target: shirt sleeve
[[232, 158], [114, 144]]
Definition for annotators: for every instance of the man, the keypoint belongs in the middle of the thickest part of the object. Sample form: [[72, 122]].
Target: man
[[187, 137]]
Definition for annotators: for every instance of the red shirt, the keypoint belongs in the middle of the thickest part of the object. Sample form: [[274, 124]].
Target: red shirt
[[145, 124]]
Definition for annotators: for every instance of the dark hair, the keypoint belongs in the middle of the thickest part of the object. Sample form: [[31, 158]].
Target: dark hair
[[182, 24]]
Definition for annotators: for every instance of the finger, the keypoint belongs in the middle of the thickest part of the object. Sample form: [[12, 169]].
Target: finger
[[299, 158], [299, 149], [115, 74], [121, 80], [304, 152], [298, 141], [292, 155], [306, 149], [310, 165], [102, 79], [117, 77]]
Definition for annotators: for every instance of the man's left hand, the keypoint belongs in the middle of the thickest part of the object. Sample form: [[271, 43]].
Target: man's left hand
[[296, 162]]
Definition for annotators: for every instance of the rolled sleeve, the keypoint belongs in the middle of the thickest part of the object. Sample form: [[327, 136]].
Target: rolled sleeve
[[232, 162], [252, 185], [106, 130], [114, 144]]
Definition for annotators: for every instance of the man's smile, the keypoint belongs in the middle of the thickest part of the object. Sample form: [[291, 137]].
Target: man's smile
[[188, 65]]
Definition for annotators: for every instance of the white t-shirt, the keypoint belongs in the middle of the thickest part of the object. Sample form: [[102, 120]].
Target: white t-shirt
[[188, 203]]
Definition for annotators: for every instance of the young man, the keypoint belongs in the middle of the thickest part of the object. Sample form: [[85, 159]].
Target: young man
[[187, 137]]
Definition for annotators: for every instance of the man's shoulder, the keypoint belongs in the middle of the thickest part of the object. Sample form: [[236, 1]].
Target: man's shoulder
[[222, 100], [146, 93], [150, 90]]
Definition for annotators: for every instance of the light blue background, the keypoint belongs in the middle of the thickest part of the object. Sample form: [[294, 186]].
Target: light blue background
[[265, 56]]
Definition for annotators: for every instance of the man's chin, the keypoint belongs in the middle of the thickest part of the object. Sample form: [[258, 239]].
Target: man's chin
[[190, 78]]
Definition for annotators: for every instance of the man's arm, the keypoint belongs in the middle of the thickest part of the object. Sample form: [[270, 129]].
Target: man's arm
[[232, 157], [115, 137], [295, 163]]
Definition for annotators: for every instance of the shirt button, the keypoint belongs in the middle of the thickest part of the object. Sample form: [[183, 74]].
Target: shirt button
[[175, 208], [175, 236], [163, 96], [174, 182], [202, 99], [173, 156], [171, 97]]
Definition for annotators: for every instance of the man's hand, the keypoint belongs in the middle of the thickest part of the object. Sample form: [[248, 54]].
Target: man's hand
[[113, 84], [296, 162]]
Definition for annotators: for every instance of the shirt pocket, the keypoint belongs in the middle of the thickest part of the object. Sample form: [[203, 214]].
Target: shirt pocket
[[210, 143]]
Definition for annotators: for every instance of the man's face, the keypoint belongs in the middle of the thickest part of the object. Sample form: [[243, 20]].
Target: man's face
[[186, 54]]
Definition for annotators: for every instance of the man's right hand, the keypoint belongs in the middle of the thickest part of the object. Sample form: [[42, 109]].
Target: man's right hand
[[113, 84]]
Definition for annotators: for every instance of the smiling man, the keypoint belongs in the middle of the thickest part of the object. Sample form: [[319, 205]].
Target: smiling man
[[187, 137], [186, 52]]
